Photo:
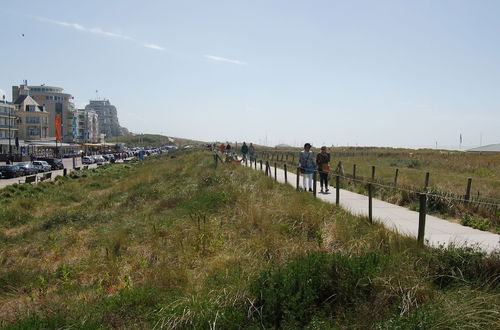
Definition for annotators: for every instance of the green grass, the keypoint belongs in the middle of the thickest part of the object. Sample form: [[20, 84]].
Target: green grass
[[150, 140], [175, 243]]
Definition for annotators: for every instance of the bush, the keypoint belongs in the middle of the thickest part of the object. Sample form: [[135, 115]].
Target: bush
[[293, 293], [475, 222], [459, 264]]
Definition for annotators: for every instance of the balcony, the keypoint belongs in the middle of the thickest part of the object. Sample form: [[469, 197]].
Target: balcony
[[12, 127]]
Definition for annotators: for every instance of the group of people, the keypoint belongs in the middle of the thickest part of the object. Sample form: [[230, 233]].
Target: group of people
[[245, 150], [308, 164]]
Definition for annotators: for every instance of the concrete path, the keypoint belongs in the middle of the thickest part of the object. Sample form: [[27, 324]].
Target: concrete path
[[437, 231]]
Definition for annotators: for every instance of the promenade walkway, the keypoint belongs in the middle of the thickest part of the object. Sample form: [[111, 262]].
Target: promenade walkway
[[437, 231]]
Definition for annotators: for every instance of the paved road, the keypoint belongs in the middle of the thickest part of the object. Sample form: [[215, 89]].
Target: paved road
[[437, 231]]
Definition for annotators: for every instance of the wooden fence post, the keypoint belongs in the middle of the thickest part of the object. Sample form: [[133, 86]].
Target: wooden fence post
[[261, 164], [370, 203], [373, 172], [315, 178], [275, 172], [337, 189], [298, 177], [426, 184], [467, 192], [354, 171], [421, 219], [286, 173], [396, 177]]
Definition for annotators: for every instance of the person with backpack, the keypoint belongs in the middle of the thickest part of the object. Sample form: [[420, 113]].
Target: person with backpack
[[251, 152], [307, 166], [322, 160], [244, 151]]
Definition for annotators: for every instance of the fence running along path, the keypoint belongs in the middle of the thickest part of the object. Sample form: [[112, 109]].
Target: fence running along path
[[290, 157], [428, 229]]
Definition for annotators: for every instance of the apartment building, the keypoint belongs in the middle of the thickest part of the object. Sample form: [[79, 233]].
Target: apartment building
[[8, 128], [55, 102], [87, 126], [108, 117], [32, 118]]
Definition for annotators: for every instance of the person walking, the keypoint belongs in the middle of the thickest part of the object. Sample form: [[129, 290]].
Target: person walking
[[306, 163], [228, 148], [322, 160], [244, 151], [222, 147], [251, 152]]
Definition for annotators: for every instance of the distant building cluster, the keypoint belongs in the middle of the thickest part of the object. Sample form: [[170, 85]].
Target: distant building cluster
[[46, 114]]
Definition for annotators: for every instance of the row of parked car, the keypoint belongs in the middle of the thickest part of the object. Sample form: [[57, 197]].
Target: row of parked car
[[98, 159], [29, 168]]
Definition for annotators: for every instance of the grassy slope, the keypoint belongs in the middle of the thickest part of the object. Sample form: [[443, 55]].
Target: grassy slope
[[148, 140], [173, 242]]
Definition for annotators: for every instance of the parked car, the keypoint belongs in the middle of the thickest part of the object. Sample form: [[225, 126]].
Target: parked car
[[99, 159], [10, 171], [88, 160], [28, 168], [109, 157], [55, 163], [42, 165]]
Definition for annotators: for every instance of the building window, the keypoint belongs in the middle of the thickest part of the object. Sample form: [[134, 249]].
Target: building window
[[33, 120], [32, 131], [30, 108]]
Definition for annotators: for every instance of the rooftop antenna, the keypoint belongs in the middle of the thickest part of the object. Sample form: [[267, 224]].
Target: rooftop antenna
[[97, 94]]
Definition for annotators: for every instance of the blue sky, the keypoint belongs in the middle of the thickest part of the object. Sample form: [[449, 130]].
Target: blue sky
[[384, 73]]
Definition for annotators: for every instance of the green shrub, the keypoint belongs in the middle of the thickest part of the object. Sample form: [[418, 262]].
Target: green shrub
[[463, 264], [475, 222], [292, 294]]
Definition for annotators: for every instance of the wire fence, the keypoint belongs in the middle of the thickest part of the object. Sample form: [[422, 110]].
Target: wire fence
[[292, 158], [423, 200], [437, 201]]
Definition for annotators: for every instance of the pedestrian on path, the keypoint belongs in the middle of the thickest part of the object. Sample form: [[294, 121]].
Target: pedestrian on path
[[244, 151], [307, 166], [322, 160], [222, 147], [251, 152]]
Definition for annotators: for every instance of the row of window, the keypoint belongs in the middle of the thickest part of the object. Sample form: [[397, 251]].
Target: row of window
[[5, 121], [43, 89], [5, 134], [55, 98], [35, 131], [6, 110]]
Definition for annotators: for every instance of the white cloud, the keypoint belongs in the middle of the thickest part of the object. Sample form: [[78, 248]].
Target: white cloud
[[79, 27], [153, 46], [226, 60]]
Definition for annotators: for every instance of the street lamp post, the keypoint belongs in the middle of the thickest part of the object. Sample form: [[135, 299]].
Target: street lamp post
[[10, 146]]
